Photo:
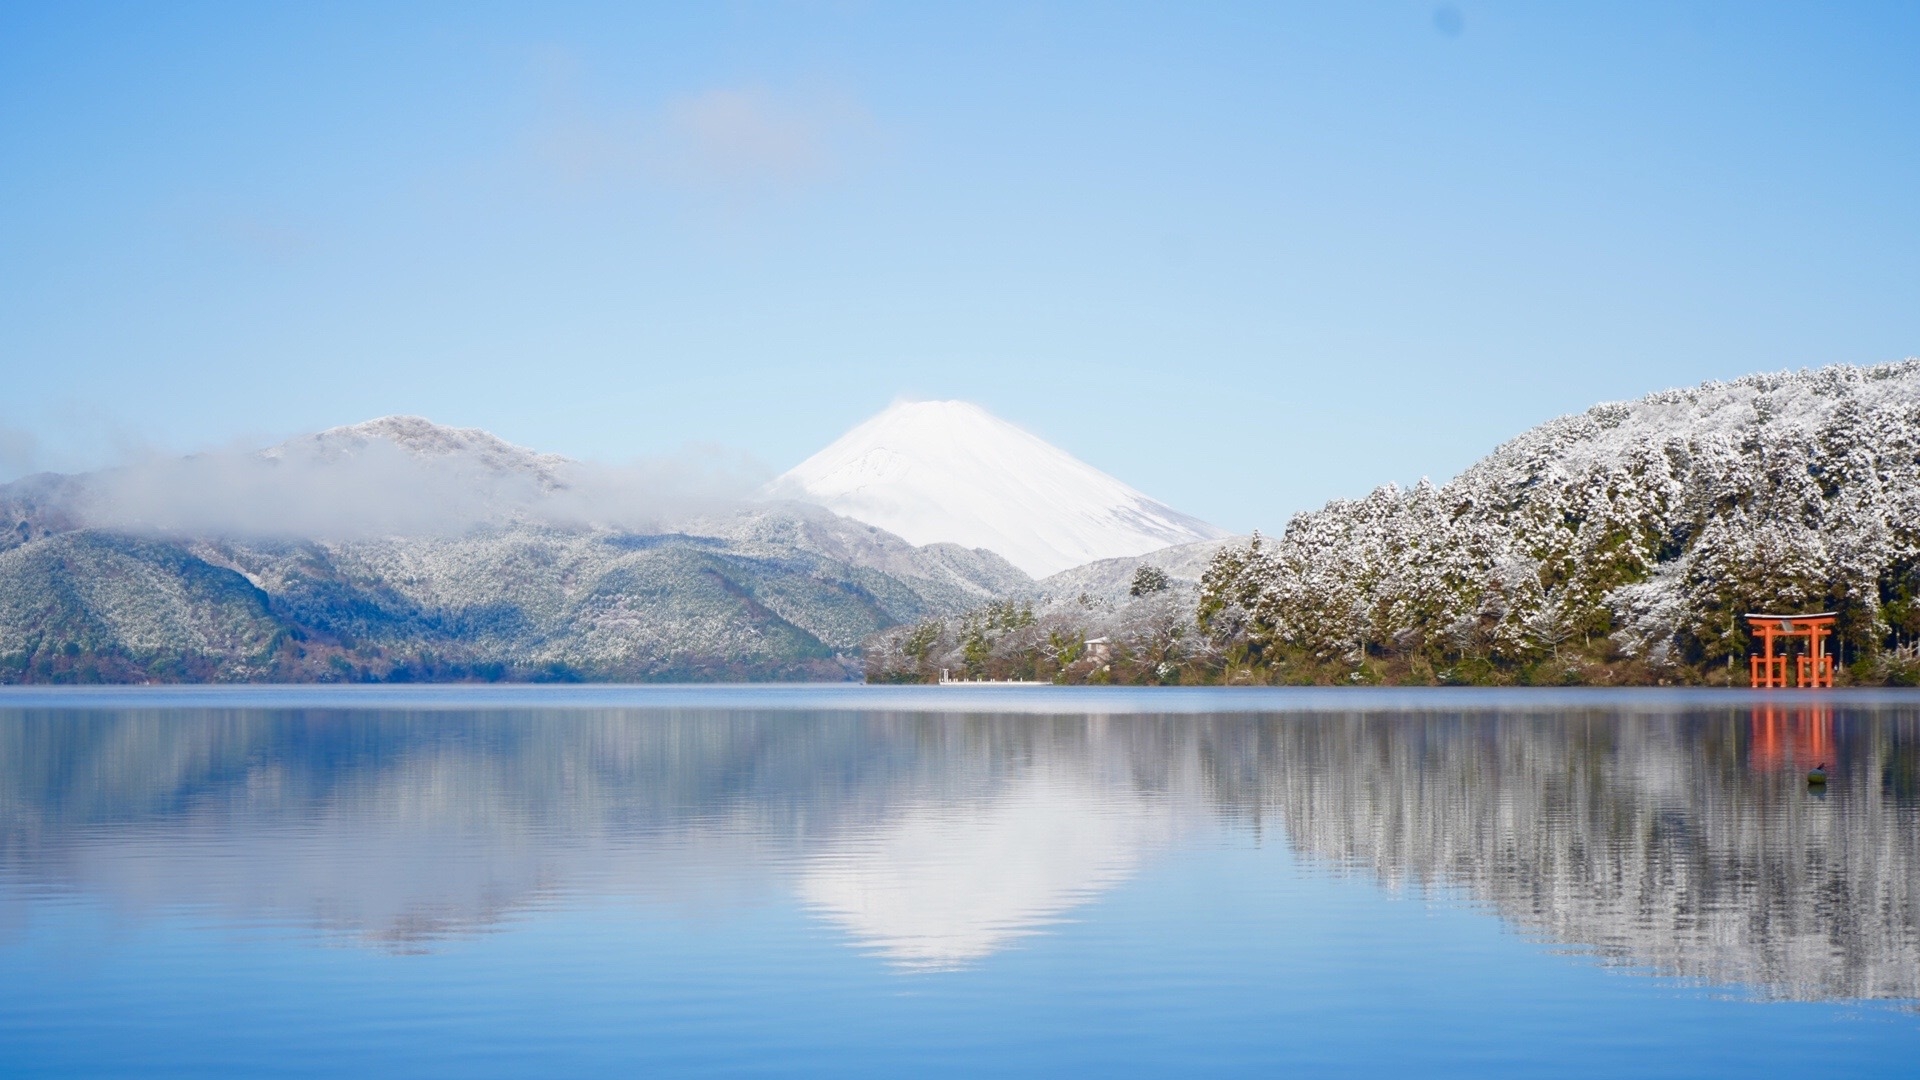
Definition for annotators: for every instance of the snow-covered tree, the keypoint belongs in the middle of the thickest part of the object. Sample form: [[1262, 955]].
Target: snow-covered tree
[[1147, 580]]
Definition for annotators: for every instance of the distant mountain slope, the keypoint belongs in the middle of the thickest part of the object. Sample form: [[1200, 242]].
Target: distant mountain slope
[[1109, 580], [101, 580], [948, 471], [122, 608], [946, 576], [425, 439], [1644, 529]]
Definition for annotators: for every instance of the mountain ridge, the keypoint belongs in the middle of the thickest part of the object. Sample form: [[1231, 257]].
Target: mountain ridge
[[522, 581]]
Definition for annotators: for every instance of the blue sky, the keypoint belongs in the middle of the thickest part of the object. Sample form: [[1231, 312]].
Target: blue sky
[[1246, 258]]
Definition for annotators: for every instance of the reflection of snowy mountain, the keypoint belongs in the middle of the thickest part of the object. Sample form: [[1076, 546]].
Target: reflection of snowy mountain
[[948, 471], [934, 842], [941, 884]]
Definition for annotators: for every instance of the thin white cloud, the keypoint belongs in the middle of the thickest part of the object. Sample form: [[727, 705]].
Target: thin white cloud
[[19, 450], [731, 141], [265, 237], [344, 487], [750, 137]]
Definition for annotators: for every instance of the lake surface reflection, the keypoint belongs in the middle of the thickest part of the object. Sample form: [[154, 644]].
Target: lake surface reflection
[[954, 881]]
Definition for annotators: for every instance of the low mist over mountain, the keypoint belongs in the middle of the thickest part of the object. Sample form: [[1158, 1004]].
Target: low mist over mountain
[[949, 471], [399, 549]]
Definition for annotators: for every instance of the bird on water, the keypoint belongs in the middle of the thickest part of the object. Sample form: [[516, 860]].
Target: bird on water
[[1819, 775]]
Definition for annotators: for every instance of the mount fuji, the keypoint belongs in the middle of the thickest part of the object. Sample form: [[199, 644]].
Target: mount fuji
[[949, 471]]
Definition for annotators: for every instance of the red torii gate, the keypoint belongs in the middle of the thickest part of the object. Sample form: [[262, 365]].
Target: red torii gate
[[1815, 667]]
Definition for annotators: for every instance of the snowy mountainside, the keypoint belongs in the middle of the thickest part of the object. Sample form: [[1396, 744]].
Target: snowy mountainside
[[93, 588], [423, 438], [950, 576], [949, 471], [1109, 580], [1641, 529]]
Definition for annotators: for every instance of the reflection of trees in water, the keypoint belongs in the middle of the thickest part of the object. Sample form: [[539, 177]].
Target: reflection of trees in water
[[1686, 844], [1689, 845], [399, 829]]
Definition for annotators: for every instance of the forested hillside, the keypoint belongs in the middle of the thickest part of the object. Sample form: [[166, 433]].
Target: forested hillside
[[1620, 544]]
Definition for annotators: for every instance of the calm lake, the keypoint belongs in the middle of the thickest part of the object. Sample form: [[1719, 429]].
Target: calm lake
[[921, 881]]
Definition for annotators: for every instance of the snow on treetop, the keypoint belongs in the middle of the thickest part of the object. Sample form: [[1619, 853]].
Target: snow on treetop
[[1611, 433], [949, 471]]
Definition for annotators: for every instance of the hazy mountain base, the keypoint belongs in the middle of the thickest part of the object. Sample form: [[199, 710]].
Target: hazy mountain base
[[1110, 583], [758, 595], [1126, 620], [1146, 636]]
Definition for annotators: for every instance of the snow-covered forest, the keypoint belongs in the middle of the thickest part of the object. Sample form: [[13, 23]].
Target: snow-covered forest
[[1619, 544]]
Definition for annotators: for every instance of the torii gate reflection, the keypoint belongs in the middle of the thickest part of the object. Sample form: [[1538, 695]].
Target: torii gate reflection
[[1815, 667], [1783, 737]]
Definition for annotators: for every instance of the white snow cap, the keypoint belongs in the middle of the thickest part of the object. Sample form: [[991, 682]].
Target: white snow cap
[[949, 471]]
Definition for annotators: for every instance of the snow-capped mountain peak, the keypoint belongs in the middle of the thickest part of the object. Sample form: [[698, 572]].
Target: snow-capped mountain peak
[[949, 471]]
